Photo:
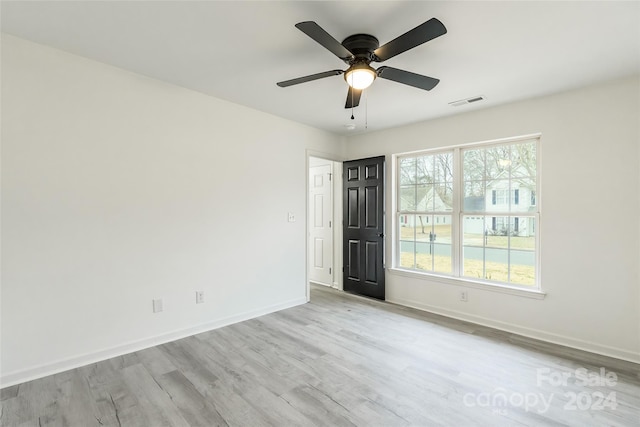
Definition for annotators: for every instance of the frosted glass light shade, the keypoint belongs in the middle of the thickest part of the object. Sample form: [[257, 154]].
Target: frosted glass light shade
[[360, 76]]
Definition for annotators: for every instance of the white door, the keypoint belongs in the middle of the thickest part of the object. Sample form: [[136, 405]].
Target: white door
[[320, 223]]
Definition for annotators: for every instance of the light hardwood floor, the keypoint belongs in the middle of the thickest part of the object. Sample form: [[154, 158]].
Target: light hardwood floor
[[340, 360]]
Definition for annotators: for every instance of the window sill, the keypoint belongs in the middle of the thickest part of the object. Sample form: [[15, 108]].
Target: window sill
[[457, 281]]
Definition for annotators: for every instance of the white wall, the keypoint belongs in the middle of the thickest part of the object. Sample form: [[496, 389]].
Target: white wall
[[589, 221], [117, 189]]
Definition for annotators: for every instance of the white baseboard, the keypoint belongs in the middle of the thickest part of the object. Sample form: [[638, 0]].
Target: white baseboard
[[315, 282], [62, 365], [592, 347]]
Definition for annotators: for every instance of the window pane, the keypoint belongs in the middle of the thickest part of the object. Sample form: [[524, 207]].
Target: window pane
[[485, 248], [473, 165], [474, 200], [473, 243], [441, 241], [443, 167], [504, 252], [406, 246], [407, 171], [407, 200], [443, 196], [424, 250], [523, 255], [424, 260], [424, 237], [407, 253], [432, 243], [424, 168], [425, 197], [498, 162], [497, 249], [524, 160], [498, 196]]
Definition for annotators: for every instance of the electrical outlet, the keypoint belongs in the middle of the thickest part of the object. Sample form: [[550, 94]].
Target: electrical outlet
[[158, 305], [199, 297], [291, 216], [463, 296]]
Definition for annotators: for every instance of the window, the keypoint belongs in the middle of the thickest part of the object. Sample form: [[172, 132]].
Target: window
[[483, 199], [425, 196]]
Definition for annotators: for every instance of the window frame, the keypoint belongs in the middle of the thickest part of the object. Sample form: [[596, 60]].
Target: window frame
[[458, 214], [435, 214]]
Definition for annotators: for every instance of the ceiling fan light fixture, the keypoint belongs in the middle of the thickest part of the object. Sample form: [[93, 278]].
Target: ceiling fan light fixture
[[360, 76]]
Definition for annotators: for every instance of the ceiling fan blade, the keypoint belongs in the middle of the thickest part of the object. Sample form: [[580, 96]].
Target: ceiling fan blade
[[353, 97], [309, 78], [316, 32], [421, 34], [407, 78]]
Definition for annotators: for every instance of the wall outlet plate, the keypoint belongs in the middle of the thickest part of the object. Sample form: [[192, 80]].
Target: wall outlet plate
[[158, 305], [464, 296]]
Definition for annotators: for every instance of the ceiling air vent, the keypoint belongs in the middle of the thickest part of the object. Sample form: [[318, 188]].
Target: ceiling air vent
[[467, 101]]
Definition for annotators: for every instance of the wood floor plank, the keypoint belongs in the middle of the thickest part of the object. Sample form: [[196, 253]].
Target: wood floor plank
[[276, 410], [155, 406], [340, 360], [185, 358], [9, 392], [195, 409], [233, 408], [155, 361], [318, 407], [33, 400], [74, 405]]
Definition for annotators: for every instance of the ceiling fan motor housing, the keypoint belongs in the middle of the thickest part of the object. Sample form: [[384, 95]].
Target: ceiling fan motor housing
[[362, 47]]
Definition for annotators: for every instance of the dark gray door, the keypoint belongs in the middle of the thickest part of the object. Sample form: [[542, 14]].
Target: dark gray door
[[364, 227]]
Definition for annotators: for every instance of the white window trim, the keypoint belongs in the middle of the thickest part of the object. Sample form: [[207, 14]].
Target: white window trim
[[469, 283], [456, 279]]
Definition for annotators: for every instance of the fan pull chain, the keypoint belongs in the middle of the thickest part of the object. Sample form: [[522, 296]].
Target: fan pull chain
[[366, 109], [351, 90]]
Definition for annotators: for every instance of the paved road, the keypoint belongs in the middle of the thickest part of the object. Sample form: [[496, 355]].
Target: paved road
[[520, 257]]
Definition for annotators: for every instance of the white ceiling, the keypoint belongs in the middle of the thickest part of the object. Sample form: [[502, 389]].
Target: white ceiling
[[238, 50]]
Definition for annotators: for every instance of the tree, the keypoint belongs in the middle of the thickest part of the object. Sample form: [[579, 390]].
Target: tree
[[516, 162]]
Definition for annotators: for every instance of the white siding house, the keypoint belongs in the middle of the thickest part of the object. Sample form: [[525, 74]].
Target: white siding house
[[511, 196]]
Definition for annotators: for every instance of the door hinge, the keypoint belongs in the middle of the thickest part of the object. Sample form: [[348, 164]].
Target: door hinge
[[330, 176], [329, 224], [329, 271]]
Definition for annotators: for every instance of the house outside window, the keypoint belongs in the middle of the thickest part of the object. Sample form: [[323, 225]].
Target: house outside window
[[483, 197]]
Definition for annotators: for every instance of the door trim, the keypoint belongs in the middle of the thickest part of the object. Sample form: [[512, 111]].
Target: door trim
[[337, 263], [325, 274]]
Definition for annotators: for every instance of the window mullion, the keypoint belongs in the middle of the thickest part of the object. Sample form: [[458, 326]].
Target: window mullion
[[456, 225], [415, 216]]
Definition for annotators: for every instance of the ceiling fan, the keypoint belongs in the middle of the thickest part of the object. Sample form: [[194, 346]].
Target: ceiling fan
[[359, 50]]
